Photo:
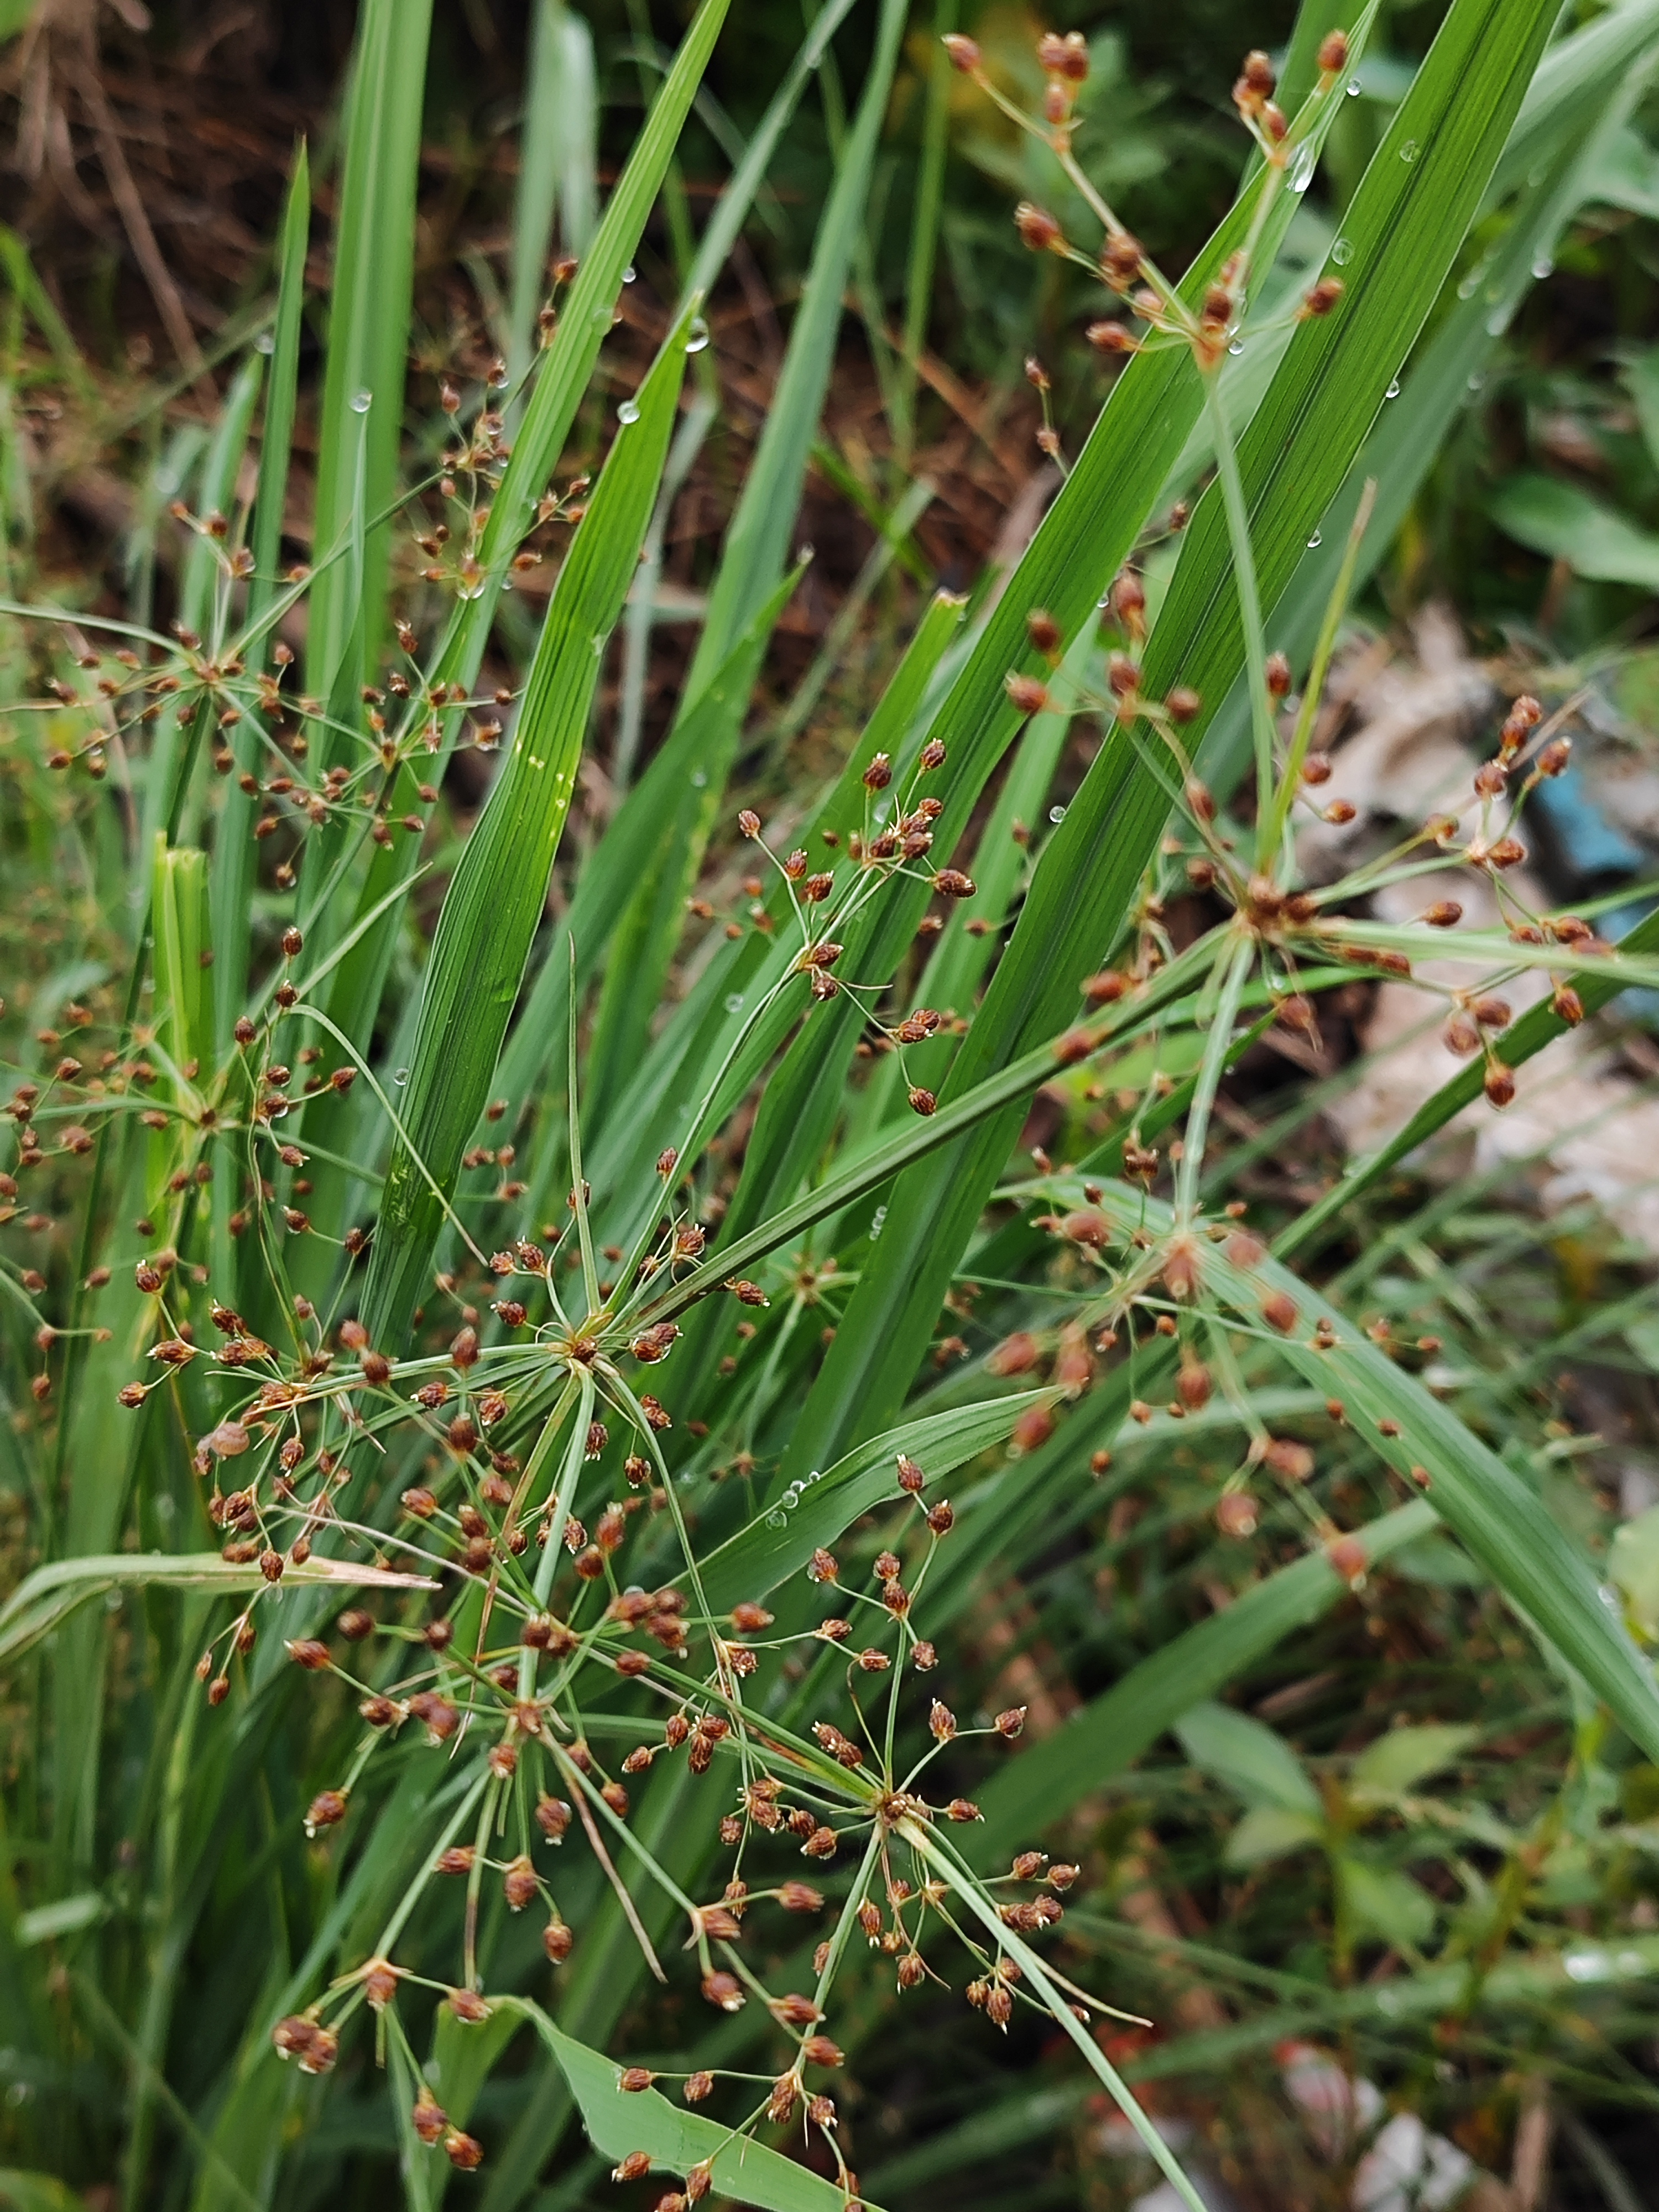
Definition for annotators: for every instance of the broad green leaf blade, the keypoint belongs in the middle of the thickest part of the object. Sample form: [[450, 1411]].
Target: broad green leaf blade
[[1051, 1775], [368, 331], [1404, 228], [619, 2121], [497, 895], [1586, 84], [1382, 1901], [1271, 1831], [1244, 1754], [781, 1540]]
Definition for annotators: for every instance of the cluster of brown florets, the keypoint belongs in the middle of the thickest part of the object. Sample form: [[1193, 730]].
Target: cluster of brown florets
[[524, 1697], [893, 839]]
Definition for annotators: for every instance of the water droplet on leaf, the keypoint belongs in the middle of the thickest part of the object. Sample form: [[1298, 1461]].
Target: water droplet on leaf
[[696, 335], [629, 411], [361, 402], [1408, 151], [1342, 253], [1393, 392], [1317, 539], [734, 1002], [1543, 267]]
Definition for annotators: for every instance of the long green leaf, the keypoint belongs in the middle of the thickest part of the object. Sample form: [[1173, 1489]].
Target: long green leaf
[[752, 559], [368, 331], [48, 1596], [496, 898]]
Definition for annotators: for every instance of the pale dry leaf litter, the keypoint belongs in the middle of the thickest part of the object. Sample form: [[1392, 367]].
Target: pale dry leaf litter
[[1582, 1125]]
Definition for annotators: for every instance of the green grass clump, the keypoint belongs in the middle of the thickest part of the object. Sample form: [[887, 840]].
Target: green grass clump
[[562, 1451]]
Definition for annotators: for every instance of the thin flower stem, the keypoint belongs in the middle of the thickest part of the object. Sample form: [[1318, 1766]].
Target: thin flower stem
[[1244, 578], [1237, 968]]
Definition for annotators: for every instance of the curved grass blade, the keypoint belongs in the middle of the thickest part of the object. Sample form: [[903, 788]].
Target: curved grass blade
[[51, 1592], [497, 895], [781, 1540], [1493, 1513]]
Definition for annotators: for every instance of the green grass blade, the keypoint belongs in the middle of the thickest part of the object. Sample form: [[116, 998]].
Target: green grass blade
[[1539, 1026], [496, 898], [752, 559], [367, 330], [43, 1600], [232, 875], [780, 1541], [556, 165], [561, 381], [1057, 1772], [1404, 228], [1493, 1513]]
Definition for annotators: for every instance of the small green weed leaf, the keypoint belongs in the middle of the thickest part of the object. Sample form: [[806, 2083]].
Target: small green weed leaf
[[619, 2121], [1271, 1831], [1382, 1902], [1397, 1762], [1633, 1568], [1569, 525], [1246, 1755]]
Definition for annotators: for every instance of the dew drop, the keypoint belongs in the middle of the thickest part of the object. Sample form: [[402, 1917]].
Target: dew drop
[[1236, 347], [1543, 267], [1467, 289], [1393, 392], [1342, 253], [1497, 322], [1317, 539], [1353, 87], [265, 342], [734, 1002], [696, 335], [699, 778], [777, 1521], [1056, 813], [1476, 381], [601, 316], [629, 411], [629, 274], [361, 402], [401, 1077], [1408, 151], [1299, 175]]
